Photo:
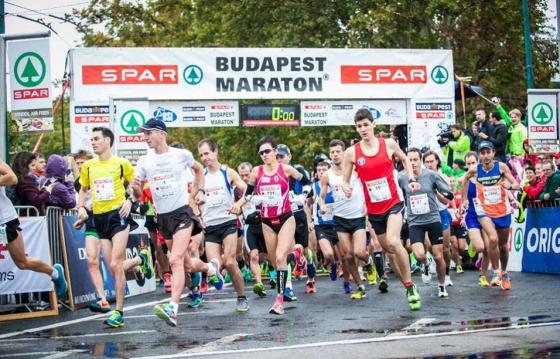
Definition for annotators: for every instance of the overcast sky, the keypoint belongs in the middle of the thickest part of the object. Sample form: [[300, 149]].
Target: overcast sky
[[67, 36]]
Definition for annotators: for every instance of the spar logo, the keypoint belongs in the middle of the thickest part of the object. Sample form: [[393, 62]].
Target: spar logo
[[193, 75], [383, 74], [131, 120], [30, 69], [439, 75], [518, 240], [542, 113], [130, 74]]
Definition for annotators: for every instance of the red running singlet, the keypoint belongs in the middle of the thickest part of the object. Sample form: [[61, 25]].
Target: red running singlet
[[275, 190], [379, 179]]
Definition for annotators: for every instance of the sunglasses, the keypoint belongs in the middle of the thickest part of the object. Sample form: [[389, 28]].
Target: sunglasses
[[265, 152]]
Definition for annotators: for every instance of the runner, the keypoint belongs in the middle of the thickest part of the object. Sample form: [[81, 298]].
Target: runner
[[301, 257], [433, 162], [423, 216], [166, 169], [372, 158], [271, 181], [458, 231], [10, 236], [103, 178], [348, 217], [219, 214], [494, 180]]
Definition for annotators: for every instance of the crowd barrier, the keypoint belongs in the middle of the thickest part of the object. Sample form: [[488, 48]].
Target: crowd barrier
[[61, 243]]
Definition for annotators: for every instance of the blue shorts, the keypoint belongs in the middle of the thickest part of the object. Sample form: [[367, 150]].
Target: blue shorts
[[501, 222], [471, 220], [445, 218]]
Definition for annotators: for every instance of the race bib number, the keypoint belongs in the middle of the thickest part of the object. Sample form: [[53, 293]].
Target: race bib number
[[419, 204], [453, 212], [328, 216], [3, 236], [492, 195], [378, 190], [272, 195], [215, 196], [104, 189], [164, 185]]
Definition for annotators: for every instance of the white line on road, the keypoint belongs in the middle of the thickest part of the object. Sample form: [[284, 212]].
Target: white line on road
[[212, 346], [154, 316], [350, 341], [26, 354], [65, 353], [79, 336]]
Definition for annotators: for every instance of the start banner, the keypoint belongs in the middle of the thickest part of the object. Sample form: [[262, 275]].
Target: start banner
[[36, 241], [260, 73]]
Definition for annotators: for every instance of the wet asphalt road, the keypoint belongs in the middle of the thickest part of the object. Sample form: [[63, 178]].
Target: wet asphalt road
[[522, 322]]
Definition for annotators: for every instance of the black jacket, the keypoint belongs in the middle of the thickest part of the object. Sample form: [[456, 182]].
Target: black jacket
[[499, 138]]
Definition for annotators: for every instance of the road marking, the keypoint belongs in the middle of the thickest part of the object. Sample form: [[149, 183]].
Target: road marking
[[212, 346], [414, 326], [14, 355], [65, 354], [154, 316], [215, 301], [350, 341], [78, 336], [86, 319]]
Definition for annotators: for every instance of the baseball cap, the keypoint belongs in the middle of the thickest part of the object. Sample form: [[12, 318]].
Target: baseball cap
[[152, 124], [283, 150], [485, 144]]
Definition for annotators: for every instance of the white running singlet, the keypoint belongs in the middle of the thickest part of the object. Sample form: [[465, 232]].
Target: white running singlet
[[219, 198], [345, 207]]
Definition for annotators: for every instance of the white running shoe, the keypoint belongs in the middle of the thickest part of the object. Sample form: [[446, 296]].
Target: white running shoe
[[442, 292], [448, 282]]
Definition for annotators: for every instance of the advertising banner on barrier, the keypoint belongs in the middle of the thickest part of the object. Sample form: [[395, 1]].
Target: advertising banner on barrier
[[541, 252], [340, 113], [30, 84], [543, 120], [35, 238], [83, 291], [260, 73], [515, 262], [128, 116], [84, 116], [196, 113], [428, 118]]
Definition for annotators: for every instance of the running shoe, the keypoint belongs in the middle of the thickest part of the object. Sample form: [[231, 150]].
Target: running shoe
[[332, 273], [448, 282], [459, 269], [471, 250], [483, 282], [100, 306], [196, 300], [60, 285], [247, 275], [300, 262], [167, 282], [383, 286], [227, 277], [432, 263], [289, 295], [310, 287], [278, 306], [146, 265], [413, 297], [360, 294], [442, 292], [347, 288], [371, 274], [414, 268], [495, 282], [242, 305], [160, 283], [165, 312], [264, 268], [258, 289], [115, 320], [426, 275], [478, 263], [272, 279], [217, 280], [505, 281], [204, 285]]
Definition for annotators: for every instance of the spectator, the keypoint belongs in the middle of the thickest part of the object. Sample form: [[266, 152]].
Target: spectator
[[483, 123], [534, 185], [79, 158], [498, 137], [458, 147], [538, 171], [517, 134], [40, 165], [62, 194], [472, 132], [27, 189], [530, 156], [551, 189], [557, 160]]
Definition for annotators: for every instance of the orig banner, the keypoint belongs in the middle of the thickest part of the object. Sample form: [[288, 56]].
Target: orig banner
[[30, 84], [339, 113], [36, 241], [541, 252], [83, 291], [429, 117], [128, 116], [196, 113], [260, 73], [84, 116]]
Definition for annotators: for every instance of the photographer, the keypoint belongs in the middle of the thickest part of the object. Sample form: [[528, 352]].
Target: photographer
[[455, 144]]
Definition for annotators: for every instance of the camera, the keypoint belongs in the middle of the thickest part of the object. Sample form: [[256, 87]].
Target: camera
[[444, 137]]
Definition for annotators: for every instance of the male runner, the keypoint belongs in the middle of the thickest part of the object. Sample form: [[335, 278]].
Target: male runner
[[219, 214], [372, 158], [423, 216], [494, 180], [166, 170], [103, 178]]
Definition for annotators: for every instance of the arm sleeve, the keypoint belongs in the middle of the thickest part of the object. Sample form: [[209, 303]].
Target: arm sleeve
[[504, 115]]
